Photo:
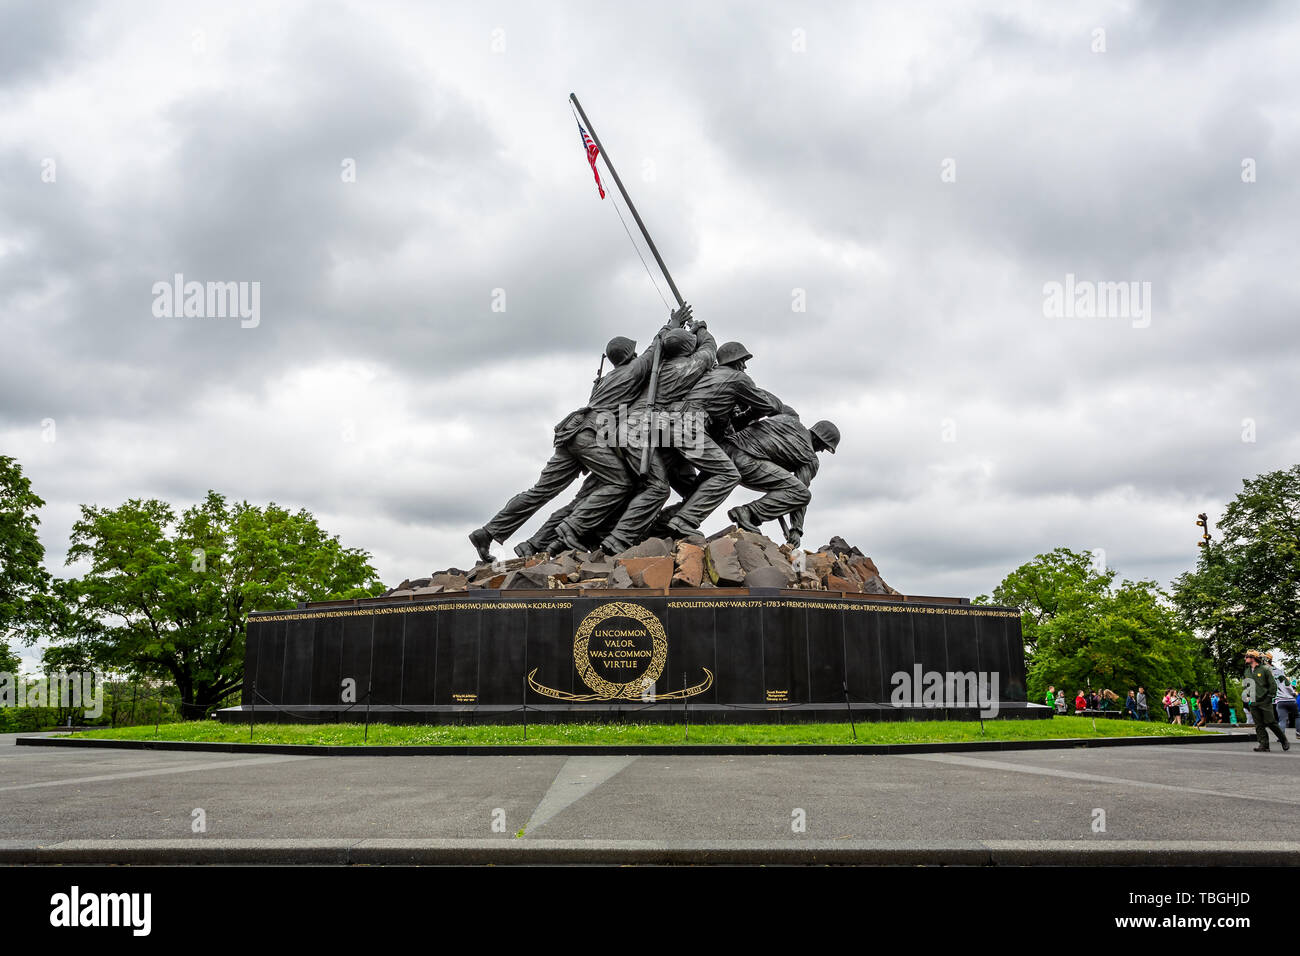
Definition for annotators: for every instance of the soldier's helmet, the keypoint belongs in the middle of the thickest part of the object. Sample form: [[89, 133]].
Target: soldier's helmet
[[828, 433], [678, 342], [733, 352], [620, 350]]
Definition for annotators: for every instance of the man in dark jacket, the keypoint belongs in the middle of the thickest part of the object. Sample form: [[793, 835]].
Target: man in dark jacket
[[1258, 688], [578, 447], [778, 455]]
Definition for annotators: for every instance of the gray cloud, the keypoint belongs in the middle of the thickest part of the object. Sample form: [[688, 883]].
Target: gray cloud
[[36, 38]]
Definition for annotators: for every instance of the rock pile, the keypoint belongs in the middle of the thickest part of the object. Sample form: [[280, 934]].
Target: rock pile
[[730, 558]]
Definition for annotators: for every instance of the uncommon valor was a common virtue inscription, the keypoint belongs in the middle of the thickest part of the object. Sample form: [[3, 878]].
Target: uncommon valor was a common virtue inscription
[[619, 653]]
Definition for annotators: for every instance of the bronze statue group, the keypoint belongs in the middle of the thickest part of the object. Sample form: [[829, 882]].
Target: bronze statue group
[[748, 437]]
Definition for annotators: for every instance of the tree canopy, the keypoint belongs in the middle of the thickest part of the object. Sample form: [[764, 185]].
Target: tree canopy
[[1082, 631], [1245, 590], [169, 596], [24, 582]]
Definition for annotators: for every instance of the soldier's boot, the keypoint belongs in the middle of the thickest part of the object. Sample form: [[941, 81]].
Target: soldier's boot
[[660, 528], [525, 549], [682, 529], [744, 518], [612, 546], [481, 538], [564, 534], [1263, 749]]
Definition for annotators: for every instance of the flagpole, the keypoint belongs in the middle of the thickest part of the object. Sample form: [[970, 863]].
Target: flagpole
[[628, 199]]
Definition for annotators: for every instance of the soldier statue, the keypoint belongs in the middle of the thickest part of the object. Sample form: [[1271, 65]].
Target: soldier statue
[[579, 448], [778, 455], [748, 438]]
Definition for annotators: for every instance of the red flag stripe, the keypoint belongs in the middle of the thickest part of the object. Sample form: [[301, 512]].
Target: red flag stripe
[[592, 152]]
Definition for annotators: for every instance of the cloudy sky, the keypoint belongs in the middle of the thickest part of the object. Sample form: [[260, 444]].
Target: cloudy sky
[[916, 174]]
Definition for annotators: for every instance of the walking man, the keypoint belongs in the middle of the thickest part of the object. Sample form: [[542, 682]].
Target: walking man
[[1143, 711], [1258, 688]]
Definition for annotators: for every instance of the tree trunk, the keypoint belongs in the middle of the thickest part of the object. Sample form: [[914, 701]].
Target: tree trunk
[[186, 688], [206, 697]]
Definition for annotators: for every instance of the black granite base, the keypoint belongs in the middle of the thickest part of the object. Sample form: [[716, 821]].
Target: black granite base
[[760, 657]]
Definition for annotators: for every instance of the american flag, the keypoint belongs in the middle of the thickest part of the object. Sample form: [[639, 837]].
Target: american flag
[[592, 152]]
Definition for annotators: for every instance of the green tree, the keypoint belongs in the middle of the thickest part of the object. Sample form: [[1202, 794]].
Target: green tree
[[1081, 631], [1050, 592], [170, 597], [1211, 605], [1246, 586], [9, 661], [24, 582], [1245, 589]]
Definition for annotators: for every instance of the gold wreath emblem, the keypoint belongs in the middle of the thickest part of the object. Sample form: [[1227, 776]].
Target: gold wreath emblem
[[634, 688], [638, 688]]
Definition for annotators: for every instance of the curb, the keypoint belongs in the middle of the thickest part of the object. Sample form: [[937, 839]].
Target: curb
[[614, 750], [510, 851]]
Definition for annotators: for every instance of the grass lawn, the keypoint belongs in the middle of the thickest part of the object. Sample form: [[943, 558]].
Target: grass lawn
[[888, 732]]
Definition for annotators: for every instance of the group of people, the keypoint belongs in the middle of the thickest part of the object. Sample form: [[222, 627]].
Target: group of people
[[748, 437], [1098, 700], [1196, 710], [1268, 695], [1090, 700]]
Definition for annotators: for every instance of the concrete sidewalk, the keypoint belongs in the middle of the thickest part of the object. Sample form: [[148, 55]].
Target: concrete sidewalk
[[510, 851], [1136, 804]]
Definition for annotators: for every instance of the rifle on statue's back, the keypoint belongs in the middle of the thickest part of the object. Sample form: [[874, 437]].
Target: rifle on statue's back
[[676, 321]]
